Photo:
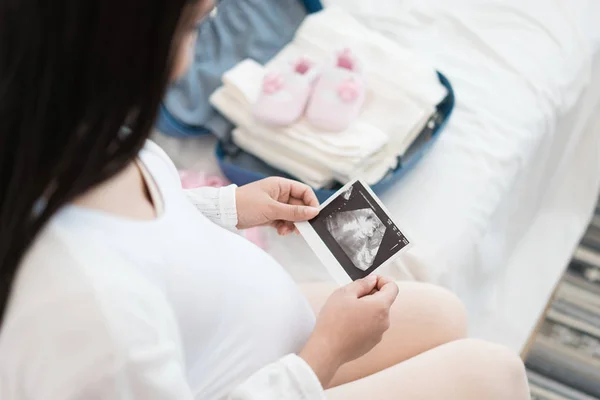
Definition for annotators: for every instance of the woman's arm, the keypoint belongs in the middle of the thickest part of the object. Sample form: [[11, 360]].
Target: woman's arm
[[217, 204], [350, 324], [272, 201], [290, 378]]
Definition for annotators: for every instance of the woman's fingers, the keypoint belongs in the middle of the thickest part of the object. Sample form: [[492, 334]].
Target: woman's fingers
[[295, 210], [382, 281], [294, 213], [387, 291], [302, 192], [284, 228], [362, 287], [295, 201]]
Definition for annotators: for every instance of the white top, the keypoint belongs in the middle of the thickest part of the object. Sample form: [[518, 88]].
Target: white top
[[174, 308]]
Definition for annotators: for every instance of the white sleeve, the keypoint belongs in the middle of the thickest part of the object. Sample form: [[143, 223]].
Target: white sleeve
[[163, 379], [217, 204], [290, 378]]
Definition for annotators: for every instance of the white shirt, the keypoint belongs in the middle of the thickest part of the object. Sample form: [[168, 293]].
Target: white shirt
[[174, 308]]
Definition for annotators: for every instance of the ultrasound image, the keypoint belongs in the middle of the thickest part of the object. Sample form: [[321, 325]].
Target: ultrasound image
[[358, 231]]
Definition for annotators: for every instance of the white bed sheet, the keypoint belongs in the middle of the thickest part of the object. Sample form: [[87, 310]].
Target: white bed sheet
[[497, 206], [522, 72]]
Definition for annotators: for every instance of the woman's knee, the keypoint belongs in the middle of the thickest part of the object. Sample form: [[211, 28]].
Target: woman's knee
[[432, 309], [496, 369], [491, 354]]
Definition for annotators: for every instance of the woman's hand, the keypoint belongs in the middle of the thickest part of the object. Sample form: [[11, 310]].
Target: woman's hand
[[275, 201], [351, 323]]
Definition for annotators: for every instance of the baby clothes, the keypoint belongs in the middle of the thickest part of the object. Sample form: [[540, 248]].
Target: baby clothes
[[340, 153], [312, 174], [403, 91]]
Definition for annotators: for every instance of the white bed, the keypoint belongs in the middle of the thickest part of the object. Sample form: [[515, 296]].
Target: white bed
[[498, 205]]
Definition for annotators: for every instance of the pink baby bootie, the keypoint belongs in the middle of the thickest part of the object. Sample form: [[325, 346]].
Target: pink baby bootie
[[338, 95], [285, 93]]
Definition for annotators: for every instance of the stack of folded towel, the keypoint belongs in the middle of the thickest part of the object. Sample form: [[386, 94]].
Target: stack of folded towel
[[402, 92]]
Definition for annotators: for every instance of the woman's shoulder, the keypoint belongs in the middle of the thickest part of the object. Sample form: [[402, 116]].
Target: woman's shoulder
[[152, 152]]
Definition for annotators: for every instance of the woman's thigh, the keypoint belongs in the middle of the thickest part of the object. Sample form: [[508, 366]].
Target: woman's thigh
[[466, 369], [423, 316]]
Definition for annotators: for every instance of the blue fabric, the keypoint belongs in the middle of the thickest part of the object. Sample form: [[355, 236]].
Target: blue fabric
[[241, 29], [242, 168], [312, 6]]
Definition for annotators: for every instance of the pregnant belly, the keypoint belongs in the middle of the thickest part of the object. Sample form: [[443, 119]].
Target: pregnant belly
[[257, 315]]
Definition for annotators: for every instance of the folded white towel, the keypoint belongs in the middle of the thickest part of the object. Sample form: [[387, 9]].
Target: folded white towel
[[309, 173]]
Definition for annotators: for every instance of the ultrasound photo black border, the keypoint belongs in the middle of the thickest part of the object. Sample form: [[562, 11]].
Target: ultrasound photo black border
[[329, 250]]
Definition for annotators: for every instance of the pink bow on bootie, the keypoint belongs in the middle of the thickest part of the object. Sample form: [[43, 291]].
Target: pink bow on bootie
[[272, 83], [349, 90]]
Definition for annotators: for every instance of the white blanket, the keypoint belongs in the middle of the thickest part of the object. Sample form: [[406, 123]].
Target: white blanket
[[498, 204]]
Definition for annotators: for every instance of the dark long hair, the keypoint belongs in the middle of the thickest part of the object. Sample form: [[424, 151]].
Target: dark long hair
[[72, 74]]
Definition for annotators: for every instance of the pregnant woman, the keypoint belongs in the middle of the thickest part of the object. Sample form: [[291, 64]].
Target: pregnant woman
[[117, 284]]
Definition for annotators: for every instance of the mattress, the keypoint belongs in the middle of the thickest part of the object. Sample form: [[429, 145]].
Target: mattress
[[498, 205], [500, 202]]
